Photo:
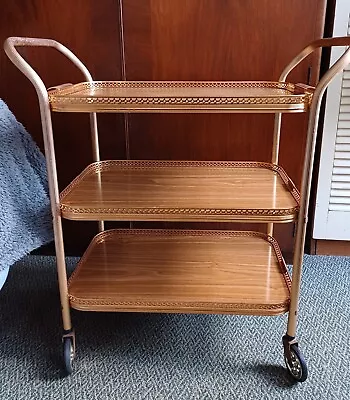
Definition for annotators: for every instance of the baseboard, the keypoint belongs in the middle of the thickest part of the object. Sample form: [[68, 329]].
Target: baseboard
[[333, 247]]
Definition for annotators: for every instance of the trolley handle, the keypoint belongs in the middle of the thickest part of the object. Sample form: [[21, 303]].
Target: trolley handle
[[10, 49], [338, 66]]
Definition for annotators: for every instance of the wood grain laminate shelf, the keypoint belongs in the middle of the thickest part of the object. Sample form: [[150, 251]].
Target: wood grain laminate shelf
[[181, 191], [185, 96], [181, 271]]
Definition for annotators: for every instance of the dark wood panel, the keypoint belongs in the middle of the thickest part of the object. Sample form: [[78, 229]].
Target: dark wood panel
[[333, 247], [220, 40], [210, 39], [93, 33]]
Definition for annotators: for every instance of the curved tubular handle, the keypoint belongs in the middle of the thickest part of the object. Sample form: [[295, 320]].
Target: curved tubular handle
[[338, 66], [327, 42], [10, 49]]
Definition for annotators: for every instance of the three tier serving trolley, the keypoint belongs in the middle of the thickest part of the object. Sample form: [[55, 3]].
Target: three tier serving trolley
[[181, 271]]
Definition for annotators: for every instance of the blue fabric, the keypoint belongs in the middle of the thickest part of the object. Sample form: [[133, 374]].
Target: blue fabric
[[25, 215], [3, 276]]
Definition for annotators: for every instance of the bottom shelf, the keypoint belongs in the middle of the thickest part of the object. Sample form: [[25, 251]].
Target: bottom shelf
[[185, 271]]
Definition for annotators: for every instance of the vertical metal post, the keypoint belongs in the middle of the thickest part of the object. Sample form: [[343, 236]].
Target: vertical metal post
[[95, 152], [275, 153], [302, 218], [342, 62]]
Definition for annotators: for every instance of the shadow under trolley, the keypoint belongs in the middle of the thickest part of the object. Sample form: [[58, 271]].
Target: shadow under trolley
[[182, 271]]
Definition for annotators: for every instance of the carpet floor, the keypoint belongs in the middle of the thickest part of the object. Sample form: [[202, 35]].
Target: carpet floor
[[169, 356]]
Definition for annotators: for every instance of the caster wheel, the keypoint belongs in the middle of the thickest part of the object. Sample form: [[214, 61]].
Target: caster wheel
[[296, 365], [68, 354]]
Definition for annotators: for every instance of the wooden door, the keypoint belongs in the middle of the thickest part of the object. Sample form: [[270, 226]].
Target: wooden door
[[220, 40]]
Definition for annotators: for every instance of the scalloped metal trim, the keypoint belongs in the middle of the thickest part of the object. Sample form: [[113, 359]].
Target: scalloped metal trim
[[174, 85], [68, 98], [207, 308]]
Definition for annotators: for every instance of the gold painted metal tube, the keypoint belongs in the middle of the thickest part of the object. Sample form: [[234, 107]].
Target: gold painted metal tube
[[95, 151], [275, 153], [339, 66], [10, 49]]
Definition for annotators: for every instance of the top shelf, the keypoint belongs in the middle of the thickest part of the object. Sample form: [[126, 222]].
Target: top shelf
[[181, 97]]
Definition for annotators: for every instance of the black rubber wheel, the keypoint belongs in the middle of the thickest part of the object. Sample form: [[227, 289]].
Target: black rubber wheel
[[297, 366], [68, 355]]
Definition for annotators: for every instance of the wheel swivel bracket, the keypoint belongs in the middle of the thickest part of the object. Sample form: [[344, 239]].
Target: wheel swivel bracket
[[288, 341], [70, 334]]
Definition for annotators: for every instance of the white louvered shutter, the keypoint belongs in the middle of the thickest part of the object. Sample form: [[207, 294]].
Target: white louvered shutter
[[332, 214], [340, 186]]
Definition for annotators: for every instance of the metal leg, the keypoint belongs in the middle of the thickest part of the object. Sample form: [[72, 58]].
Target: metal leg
[[303, 212], [296, 277], [62, 274], [95, 152], [276, 138], [275, 154], [293, 357], [270, 229]]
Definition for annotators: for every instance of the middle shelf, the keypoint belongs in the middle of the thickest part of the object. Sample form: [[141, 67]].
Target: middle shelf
[[181, 191]]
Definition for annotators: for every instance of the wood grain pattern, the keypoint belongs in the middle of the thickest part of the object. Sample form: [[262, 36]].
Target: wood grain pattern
[[181, 271], [181, 191], [220, 40], [91, 32], [332, 247]]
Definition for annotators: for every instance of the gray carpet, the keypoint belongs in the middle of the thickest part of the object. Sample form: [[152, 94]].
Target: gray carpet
[[155, 356]]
